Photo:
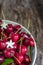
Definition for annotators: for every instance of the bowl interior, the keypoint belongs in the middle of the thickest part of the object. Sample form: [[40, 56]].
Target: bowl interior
[[34, 50]]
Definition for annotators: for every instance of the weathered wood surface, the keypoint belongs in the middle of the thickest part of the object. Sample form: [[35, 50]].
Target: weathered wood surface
[[22, 11]]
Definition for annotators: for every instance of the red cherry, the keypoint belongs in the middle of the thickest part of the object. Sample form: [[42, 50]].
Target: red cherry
[[24, 35], [8, 52], [9, 29], [20, 57], [16, 27], [1, 59], [26, 42], [14, 37], [31, 42], [24, 49], [10, 25], [26, 59], [4, 40], [2, 45]]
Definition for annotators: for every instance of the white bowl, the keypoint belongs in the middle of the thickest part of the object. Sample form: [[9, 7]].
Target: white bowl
[[34, 51]]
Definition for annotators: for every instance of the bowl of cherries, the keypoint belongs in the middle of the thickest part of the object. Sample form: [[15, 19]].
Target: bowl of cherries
[[17, 45]]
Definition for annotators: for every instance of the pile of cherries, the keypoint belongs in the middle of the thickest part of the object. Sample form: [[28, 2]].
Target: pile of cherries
[[15, 43]]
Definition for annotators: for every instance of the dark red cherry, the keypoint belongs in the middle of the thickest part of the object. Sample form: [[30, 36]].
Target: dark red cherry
[[26, 42], [26, 59], [24, 35], [9, 30], [31, 42], [8, 52], [16, 27], [10, 25], [5, 33], [1, 59], [2, 45], [24, 49]]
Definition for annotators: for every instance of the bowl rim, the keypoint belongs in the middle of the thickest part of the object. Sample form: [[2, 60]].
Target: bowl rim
[[29, 33]]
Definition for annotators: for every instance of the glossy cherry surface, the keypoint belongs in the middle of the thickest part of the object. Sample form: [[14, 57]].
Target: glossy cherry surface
[[2, 45], [24, 49], [8, 53], [14, 43]]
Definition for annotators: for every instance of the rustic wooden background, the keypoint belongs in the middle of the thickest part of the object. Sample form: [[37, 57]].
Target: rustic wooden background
[[29, 13]]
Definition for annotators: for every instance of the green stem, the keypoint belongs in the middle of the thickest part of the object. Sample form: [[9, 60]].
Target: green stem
[[20, 45], [29, 52], [20, 39]]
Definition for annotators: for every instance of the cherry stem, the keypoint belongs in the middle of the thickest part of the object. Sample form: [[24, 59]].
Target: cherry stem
[[2, 34], [18, 30], [15, 58], [29, 48], [20, 45], [8, 37], [30, 52], [20, 39]]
